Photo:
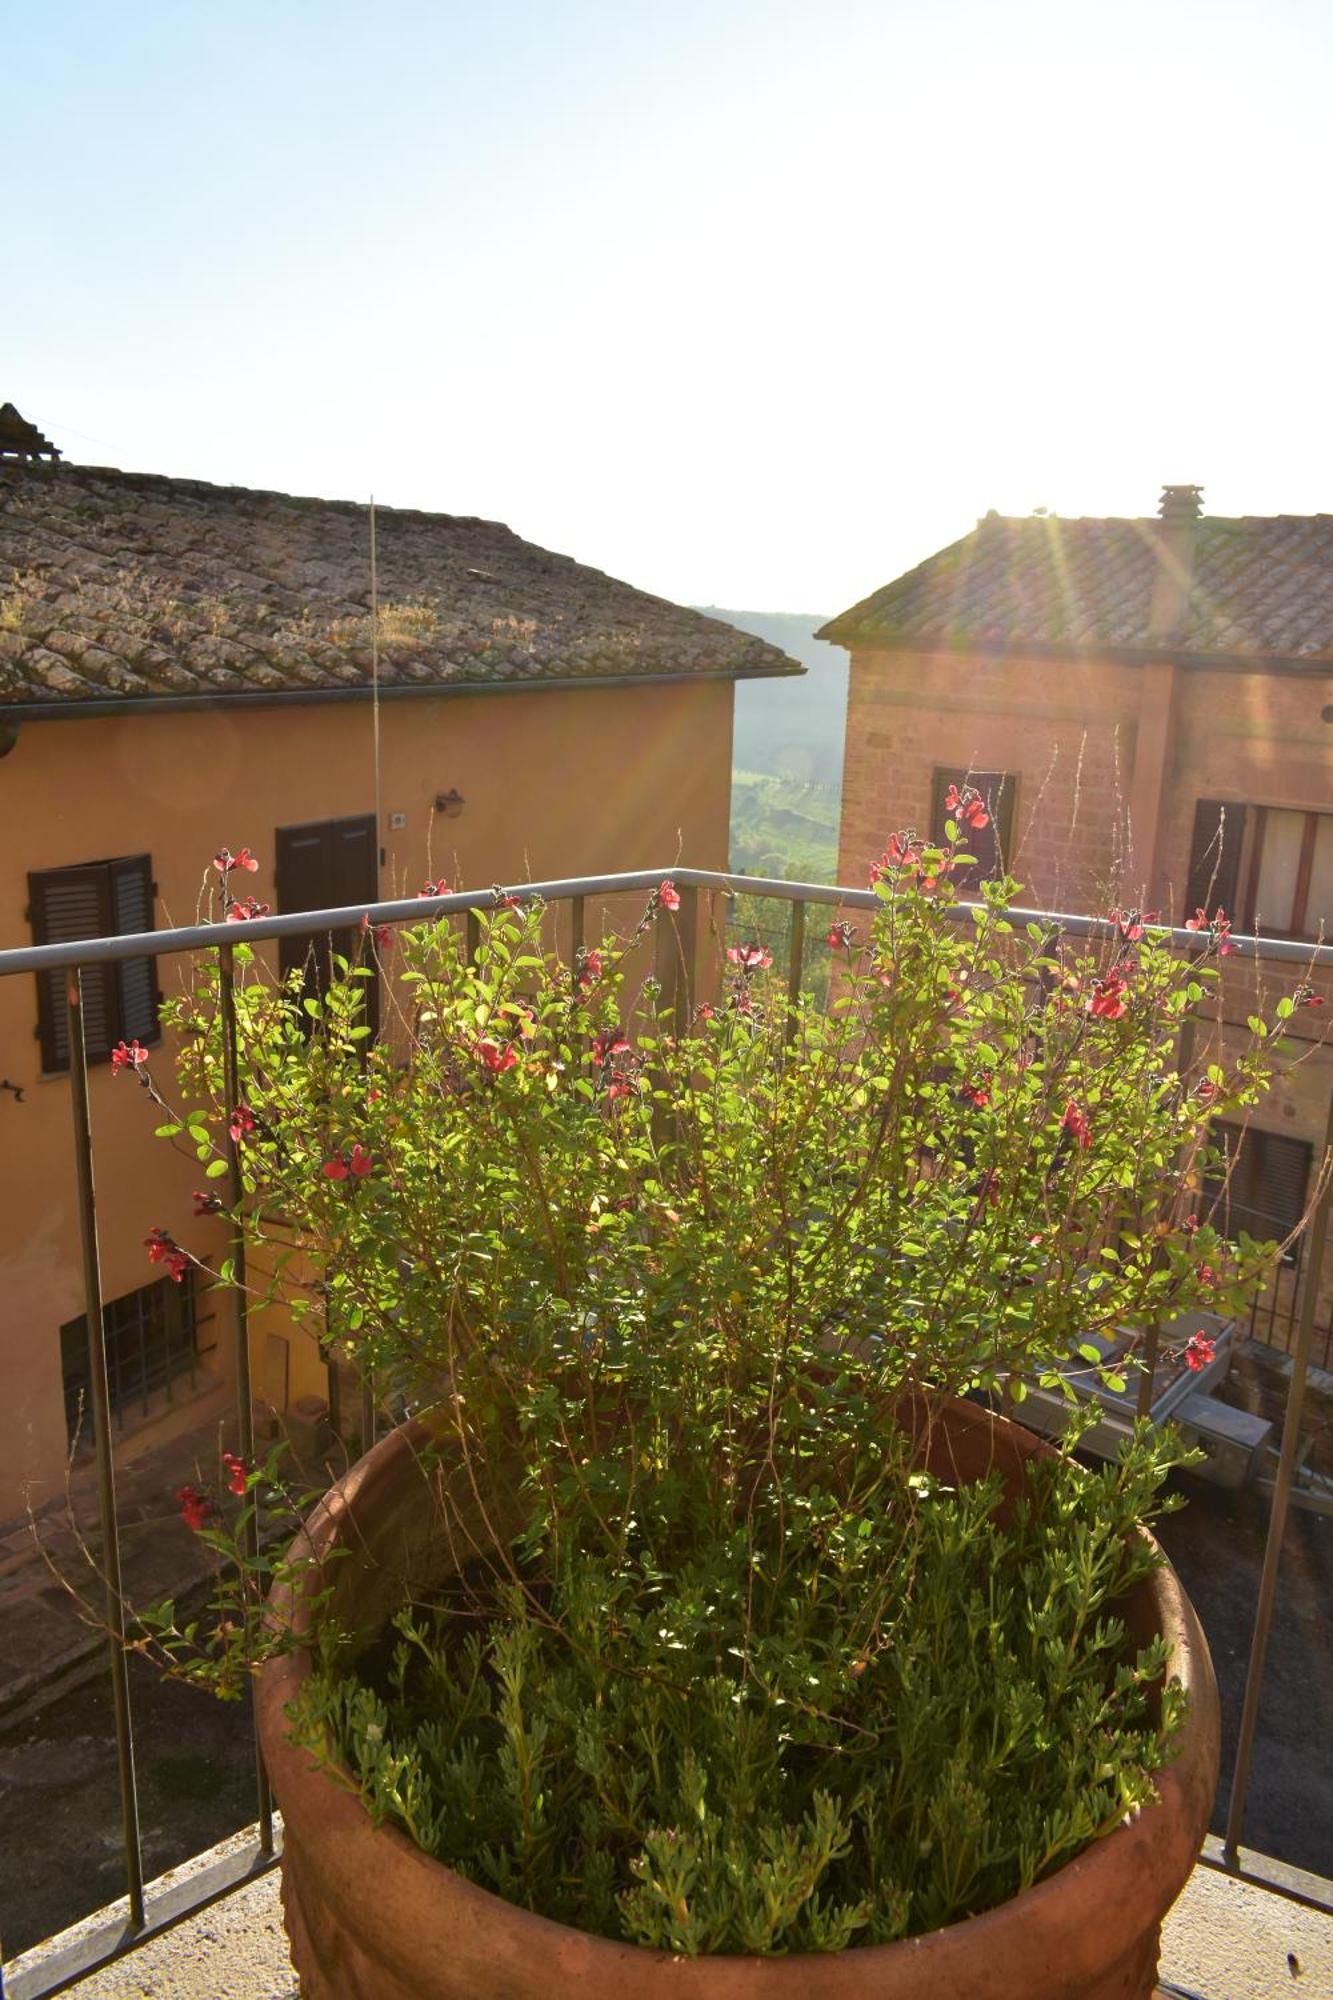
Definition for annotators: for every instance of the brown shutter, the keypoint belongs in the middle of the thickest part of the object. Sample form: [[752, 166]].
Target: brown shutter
[[1214, 872], [132, 909], [64, 904], [328, 865]]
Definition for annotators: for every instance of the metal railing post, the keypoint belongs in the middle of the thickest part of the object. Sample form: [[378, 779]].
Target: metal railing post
[[674, 965], [1277, 1520], [795, 968], [245, 1410], [106, 1474]]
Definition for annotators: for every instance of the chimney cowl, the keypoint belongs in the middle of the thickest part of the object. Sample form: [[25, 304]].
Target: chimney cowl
[[1181, 503]]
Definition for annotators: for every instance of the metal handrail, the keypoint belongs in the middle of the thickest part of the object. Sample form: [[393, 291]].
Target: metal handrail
[[674, 970]]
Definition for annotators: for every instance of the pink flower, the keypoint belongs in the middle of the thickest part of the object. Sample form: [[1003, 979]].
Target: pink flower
[[241, 913], [668, 896], [1075, 1122], [240, 1124], [589, 969], [1218, 927], [1107, 1000], [128, 1055], [750, 957], [1200, 1349], [966, 806], [496, 1058], [440, 888], [236, 1472], [224, 861], [195, 1507]]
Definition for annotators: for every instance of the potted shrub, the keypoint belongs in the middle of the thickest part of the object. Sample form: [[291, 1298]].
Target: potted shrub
[[704, 1627]]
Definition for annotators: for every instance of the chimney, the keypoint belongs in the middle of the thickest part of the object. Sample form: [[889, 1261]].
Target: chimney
[[1169, 612]]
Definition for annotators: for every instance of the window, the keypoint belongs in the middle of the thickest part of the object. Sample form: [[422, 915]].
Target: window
[[1265, 1194], [1269, 867], [98, 899], [151, 1341], [326, 865], [992, 844]]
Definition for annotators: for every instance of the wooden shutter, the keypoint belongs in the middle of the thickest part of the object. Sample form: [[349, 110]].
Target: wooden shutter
[[68, 903], [97, 899], [327, 865], [992, 844], [1214, 872], [1270, 1177]]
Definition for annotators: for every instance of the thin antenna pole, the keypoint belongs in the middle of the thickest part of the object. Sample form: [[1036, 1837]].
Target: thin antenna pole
[[375, 684]]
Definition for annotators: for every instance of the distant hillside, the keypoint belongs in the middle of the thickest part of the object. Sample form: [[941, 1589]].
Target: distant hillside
[[791, 728]]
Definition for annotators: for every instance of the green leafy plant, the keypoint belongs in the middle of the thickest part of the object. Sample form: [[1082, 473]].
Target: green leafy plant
[[685, 1287]]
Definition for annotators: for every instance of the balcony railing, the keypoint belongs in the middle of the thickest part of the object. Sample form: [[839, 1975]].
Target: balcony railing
[[675, 973]]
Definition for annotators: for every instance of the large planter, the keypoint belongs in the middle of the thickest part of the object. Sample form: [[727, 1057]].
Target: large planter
[[372, 1918]]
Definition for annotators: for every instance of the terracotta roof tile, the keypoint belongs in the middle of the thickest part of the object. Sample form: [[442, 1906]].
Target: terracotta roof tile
[[116, 585], [1262, 588]]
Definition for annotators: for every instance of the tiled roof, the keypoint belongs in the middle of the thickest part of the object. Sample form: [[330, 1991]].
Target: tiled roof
[[1262, 589], [121, 585]]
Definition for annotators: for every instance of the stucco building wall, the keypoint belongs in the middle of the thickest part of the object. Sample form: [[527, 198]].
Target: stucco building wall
[[557, 782]]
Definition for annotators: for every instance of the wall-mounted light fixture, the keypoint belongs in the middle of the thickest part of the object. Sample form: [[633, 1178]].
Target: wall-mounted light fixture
[[450, 803]]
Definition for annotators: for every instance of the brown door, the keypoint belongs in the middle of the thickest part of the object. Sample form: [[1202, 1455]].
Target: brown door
[[328, 864]]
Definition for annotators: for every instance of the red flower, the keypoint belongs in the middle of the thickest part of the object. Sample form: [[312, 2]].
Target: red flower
[[440, 888], [705, 1011], [224, 861], [240, 913], [1304, 996], [977, 1093], [205, 1203], [383, 933], [159, 1245], [840, 937], [750, 957], [668, 896], [966, 806], [240, 1124], [360, 1161], [128, 1055], [904, 848], [621, 1084], [496, 1059], [1107, 1000], [1130, 924], [589, 969], [236, 1473], [504, 901], [163, 1248], [1075, 1122], [1218, 927], [1190, 1224], [1200, 1349], [608, 1044], [195, 1507]]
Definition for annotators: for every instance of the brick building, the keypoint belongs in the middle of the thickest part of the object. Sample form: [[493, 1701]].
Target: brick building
[[1148, 707]]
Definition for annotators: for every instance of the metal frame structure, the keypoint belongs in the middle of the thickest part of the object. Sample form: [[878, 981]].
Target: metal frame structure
[[674, 971]]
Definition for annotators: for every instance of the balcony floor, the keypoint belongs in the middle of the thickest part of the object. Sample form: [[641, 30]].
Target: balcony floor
[[1228, 1938]]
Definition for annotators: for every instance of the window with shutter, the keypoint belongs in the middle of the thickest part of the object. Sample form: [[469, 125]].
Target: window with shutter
[[991, 844], [1264, 1194], [326, 865], [151, 1341], [1269, 867], [120, 1002]]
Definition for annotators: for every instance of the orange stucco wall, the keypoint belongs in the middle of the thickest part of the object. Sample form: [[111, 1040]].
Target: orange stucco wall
[[557, 783]]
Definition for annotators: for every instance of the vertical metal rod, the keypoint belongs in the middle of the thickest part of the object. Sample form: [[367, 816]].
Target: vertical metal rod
[[1185, 1049], [245, 1409], [473, 934], [106, 1474], [1277, 1519], [795, 968], [578, 915]]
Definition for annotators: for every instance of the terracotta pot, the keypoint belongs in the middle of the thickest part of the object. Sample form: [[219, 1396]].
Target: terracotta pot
[[372, 1918]]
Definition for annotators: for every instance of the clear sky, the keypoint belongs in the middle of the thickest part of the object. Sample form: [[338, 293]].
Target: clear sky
[[750, 302]]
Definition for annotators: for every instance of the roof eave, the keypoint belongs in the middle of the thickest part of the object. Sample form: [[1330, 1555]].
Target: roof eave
[[1123, 656], [306, 697]]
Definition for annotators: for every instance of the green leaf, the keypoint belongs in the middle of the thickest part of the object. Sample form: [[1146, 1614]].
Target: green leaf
[[215, 1170]]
